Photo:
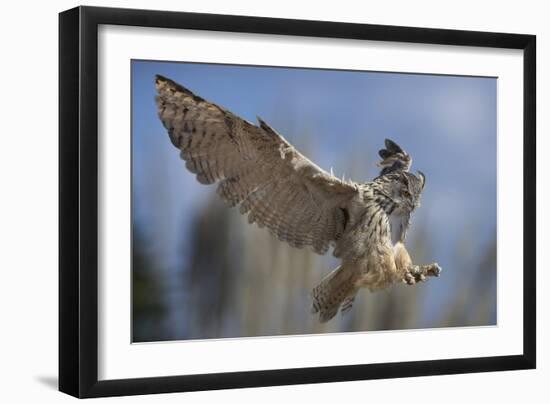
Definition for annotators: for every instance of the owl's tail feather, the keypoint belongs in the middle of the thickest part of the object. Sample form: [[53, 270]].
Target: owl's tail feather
[[336, 290]]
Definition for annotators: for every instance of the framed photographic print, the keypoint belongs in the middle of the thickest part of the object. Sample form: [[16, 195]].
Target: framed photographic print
[[251, 201]]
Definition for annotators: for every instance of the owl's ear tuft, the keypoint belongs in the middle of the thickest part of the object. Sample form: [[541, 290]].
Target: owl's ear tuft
[[422, 179], [384, 153], [394, 158], [392, 147]]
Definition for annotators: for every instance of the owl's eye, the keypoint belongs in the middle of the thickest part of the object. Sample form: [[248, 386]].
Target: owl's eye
[[406, 193]]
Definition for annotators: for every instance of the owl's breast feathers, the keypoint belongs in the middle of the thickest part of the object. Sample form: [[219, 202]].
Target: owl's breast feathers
[[369, 223]]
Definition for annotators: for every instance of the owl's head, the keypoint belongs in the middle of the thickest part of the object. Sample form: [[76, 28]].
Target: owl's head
[[405, 190], [405, 187]]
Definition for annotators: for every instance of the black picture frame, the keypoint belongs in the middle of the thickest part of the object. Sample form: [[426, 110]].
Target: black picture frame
[[78, 201]]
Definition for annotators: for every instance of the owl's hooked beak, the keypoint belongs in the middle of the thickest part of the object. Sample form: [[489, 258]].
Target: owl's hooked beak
[[422, 178]]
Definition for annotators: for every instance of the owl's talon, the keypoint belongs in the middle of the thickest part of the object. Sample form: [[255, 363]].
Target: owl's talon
[[409, 278], [417, 274], [435, 270]]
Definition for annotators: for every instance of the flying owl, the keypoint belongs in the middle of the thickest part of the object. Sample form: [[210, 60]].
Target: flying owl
[[279, 188]]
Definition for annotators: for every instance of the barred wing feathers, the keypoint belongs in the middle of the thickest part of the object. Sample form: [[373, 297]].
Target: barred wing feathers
[[256, 168]]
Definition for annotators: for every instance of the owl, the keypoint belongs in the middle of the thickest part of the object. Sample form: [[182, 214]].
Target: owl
[[277, 187]]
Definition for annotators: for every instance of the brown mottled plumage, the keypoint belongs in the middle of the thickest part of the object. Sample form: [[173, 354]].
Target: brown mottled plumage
[[298, 202]]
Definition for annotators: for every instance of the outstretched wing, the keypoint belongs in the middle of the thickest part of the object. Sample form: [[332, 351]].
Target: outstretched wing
[[255, 167]]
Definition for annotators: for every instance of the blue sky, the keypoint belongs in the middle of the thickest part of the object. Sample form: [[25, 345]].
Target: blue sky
[[339, 119]]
